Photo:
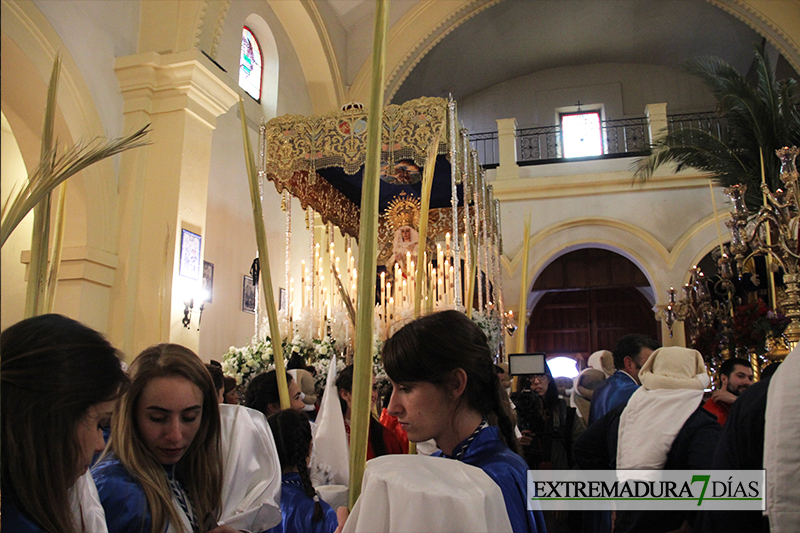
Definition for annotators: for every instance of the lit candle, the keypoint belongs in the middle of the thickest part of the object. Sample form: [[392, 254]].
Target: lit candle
[[447, 243], [412, 281], [433, 287], [302, 283], [408, 263], [383, 294], [390, 299], [291, 297], [450, 275]]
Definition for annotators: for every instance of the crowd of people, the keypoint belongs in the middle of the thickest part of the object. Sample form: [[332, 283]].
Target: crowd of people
[[165, 446]]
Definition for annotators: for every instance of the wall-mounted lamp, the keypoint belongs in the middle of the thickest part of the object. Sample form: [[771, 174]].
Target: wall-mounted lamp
[[193, 293]]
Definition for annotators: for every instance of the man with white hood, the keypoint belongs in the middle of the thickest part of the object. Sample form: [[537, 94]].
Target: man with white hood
[[662, 426]]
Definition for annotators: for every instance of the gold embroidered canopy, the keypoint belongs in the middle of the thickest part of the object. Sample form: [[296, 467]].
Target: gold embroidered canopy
[[319, 159]]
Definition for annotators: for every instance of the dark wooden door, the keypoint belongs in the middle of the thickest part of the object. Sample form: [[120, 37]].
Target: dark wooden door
[[579, 322]]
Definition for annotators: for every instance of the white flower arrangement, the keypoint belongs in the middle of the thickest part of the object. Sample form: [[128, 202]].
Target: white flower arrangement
[[491, 326], [246, 362]]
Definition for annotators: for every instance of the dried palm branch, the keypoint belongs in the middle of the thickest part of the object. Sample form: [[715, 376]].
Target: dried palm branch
[[37, 277], [55, 253], [56, 169]]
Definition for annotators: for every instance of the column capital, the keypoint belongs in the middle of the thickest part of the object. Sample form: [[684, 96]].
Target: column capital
[[156, 83]]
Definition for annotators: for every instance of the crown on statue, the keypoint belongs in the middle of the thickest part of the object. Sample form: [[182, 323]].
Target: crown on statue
[[403, 210]]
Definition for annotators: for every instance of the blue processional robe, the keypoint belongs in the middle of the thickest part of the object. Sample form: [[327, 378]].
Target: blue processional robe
[[14, 518], [297, 509], [122, 497], [616, 390], [509, 471]]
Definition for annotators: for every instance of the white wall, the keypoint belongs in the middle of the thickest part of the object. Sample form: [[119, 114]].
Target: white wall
[[96, 32], [625, 89], [13, 173], [230, 236]]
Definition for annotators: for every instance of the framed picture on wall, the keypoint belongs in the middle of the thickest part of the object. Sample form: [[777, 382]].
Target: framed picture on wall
[[208, 281], [282, 303], [190, 255], [248, 295]]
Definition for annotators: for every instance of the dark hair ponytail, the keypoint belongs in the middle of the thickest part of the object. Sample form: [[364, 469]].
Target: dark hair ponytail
[[292, 433], [430, 348]]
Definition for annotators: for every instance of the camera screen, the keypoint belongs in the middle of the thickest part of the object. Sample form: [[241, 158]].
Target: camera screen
[[526, 363]]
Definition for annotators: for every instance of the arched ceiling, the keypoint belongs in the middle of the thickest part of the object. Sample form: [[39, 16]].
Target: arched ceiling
[[512, 38], [515, 38]]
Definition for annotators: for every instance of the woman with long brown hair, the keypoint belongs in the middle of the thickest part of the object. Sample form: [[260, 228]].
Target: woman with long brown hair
[[163, 467], [60, 380]]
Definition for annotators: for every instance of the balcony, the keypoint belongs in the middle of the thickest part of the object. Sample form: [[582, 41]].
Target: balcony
[[628, 137]]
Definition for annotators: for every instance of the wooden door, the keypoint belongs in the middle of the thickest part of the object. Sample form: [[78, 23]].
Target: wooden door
[[591, 300], [580, 322]]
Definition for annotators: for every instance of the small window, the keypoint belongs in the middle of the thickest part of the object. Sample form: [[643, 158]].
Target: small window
[[250, 65], [581, 134]]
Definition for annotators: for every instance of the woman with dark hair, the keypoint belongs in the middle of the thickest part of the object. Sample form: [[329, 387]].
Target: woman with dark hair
[[301, 509], [163, 468], [231, 393], [549, 444], [262, 394], [60, 381], [381, 440], [446, 389]]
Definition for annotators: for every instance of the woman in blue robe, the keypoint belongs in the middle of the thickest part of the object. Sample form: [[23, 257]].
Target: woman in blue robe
[[163, 468], [301, 509], [446, 389]]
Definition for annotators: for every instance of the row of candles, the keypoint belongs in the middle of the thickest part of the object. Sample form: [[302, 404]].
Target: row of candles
[[438, 285], [319, 294]]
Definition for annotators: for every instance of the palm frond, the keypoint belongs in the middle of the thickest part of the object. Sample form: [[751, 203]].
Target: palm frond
[[759, 117], [58, 244], [40, 240], [56, 169]]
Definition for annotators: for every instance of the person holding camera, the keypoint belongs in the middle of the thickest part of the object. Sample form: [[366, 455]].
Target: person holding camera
[[545, 421]]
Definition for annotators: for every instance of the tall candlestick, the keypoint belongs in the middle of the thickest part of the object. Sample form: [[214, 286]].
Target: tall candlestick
[[447, 243]]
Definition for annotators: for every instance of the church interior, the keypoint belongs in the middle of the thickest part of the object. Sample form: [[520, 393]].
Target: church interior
[[584, 252]]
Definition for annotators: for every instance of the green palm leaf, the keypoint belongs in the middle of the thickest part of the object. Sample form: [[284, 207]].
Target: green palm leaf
[[57, 169], [759, 116]]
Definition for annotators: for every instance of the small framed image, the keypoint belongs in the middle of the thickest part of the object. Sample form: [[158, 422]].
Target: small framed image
[[208, 281], [190, 255], [282, 303], [248, 295]]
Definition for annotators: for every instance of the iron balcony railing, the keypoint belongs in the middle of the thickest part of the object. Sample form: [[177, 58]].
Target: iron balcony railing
[[628, 137], [487, 146], [708, 122], [624, 137]]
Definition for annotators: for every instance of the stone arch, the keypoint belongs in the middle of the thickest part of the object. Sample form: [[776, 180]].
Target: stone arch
[[311, 42], [29, 45]]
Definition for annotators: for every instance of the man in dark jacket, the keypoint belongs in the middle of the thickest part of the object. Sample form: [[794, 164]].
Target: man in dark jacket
[[665, 428]]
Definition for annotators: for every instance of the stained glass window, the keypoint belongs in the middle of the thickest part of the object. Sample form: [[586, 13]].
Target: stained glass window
[[250, 64], [581, 134]]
